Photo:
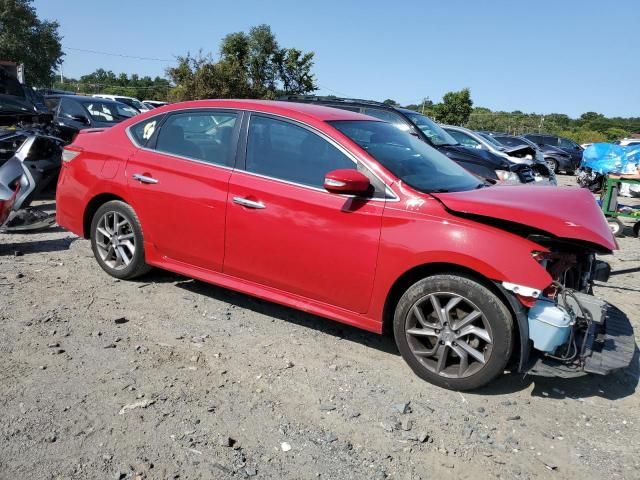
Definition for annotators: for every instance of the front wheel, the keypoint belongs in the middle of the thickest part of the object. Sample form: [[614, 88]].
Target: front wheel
[[117, 242], [616, 226], [453, 331]]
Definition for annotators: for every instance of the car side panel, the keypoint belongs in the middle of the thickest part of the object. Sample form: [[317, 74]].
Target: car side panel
[[99, 169], [418, 231]]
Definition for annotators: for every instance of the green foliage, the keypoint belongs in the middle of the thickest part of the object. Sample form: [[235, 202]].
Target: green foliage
[[103, 81], [455, 109], [251, 65], [28, 40], [590, 127]]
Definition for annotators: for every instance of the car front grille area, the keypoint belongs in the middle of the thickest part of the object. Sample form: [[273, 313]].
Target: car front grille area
[[524, 172]]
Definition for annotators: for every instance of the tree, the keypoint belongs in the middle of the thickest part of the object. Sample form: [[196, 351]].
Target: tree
[[251, 65], [391, 102], [28, 40], [294, 71], [455, 109]]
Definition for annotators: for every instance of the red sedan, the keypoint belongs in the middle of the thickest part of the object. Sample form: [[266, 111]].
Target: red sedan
[[346, 217]]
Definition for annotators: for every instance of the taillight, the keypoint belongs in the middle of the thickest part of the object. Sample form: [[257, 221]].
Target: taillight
[[68, 155]]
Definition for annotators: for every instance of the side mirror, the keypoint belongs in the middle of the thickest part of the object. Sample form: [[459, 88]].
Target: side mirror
[[346, 181]]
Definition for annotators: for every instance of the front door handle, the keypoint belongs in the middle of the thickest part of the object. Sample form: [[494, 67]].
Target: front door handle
[[144, 179], [245, 202]]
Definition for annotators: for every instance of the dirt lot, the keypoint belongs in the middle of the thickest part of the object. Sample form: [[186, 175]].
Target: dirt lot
[[166, 377]]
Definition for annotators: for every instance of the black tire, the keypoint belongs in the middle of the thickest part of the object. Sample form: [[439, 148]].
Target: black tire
[[636, 229], [570, 172], [616, 226], [494, 315], [553, 165], [137, 265]]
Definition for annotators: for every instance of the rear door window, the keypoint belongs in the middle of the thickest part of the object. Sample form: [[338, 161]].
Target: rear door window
[[143, 131], [72, 109], [568, 144], [205, 136], [289, 152]]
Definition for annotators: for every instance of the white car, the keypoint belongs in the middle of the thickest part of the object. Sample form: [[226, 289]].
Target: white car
[[132, 102], [154, 103], [628, 142], [471, 139]]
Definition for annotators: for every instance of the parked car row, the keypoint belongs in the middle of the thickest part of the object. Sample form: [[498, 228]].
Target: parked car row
[[485, 163], [364, 221]]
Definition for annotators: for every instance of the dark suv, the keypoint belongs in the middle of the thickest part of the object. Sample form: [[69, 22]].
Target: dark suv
[[73, 113], [482, 163], [569, 165]]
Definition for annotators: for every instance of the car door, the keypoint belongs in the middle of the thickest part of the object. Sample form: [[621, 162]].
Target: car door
[[178, 182], [286, 232]]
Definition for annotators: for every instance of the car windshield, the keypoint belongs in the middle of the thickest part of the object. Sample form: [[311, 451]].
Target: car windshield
[[431, 129], [131, 101], [410, 159], [108, 111]]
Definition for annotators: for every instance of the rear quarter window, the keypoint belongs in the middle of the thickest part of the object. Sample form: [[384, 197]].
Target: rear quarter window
[[143, 131]]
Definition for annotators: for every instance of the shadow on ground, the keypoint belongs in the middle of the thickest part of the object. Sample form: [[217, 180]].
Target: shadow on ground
[[37, 246], [297, 317], [616, 386]]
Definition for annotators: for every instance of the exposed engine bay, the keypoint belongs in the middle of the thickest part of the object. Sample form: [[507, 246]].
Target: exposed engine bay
[[570, 329]]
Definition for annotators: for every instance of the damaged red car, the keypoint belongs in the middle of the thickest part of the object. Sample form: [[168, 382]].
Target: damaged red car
[[347, 217]]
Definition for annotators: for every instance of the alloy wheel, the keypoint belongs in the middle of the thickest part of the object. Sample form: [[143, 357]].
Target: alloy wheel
[[115, 240], [448, 334]]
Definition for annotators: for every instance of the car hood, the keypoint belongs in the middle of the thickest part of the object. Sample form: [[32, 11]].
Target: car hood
[[464, 154], [565, 212]]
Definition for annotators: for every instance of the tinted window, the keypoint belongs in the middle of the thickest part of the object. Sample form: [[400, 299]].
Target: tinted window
[[143, 131], [289, 152], [565, 143], [206, 136], [434, 132], [70, 108], [549, 140], [52, 103], [509, 141], [109, 112], [408, 158], [535, 138], [387, 116], [464, 139]]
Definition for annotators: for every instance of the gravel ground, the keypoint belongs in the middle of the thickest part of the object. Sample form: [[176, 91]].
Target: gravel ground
[[166, 377]]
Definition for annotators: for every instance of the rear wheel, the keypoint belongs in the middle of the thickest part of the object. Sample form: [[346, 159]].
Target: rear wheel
[[117, 242], [453, 331], [552, 164]]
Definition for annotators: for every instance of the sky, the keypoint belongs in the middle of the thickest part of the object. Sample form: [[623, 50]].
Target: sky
[[543, 56]]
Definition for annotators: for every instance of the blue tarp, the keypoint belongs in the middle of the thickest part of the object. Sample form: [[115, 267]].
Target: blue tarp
[[609, 158]]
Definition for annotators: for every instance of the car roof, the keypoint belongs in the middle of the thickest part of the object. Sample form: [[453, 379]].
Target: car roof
[[293, 109], [82, 98]]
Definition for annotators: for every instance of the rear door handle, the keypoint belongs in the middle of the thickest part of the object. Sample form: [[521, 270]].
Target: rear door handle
[[144, 179], [245, 202]]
